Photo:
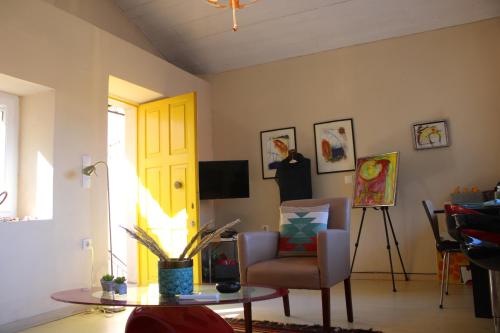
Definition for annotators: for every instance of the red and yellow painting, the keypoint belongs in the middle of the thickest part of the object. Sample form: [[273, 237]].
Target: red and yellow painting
[[376, 180]]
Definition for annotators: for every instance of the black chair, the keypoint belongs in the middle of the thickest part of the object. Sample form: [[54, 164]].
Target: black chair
[[444, 246]]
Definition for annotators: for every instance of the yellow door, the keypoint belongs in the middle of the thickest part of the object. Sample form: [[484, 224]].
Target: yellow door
[[167, 167]]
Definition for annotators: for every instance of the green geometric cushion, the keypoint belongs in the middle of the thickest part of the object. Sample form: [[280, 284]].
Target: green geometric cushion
[[298, 229]]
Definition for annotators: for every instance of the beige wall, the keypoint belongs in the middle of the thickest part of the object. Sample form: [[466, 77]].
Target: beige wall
[[385, 86], [107, 16], [45, 45], [36, 142]]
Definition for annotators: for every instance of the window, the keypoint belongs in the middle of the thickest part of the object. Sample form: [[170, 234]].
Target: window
[[9, 143], [3, 114], [26, 150]]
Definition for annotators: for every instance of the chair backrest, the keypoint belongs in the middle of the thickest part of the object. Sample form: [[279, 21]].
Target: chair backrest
[[339, 216], [433, 220]]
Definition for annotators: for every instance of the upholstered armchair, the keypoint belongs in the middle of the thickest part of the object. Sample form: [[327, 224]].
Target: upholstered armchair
[[260, 264]]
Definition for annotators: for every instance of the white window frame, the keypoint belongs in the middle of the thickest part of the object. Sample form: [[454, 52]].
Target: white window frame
[[9, 168]]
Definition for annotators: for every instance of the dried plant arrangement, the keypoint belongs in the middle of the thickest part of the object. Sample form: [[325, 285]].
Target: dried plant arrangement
[[197, 243]]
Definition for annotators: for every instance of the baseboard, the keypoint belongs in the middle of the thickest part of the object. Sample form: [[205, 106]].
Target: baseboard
[[42, 318], [397, 276]]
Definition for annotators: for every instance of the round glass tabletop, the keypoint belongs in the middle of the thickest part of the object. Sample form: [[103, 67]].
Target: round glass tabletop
[[150, 296]]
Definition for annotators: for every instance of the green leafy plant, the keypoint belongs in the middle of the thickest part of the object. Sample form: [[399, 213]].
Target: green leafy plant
[[194, 246], [108, 277], [120, 279]]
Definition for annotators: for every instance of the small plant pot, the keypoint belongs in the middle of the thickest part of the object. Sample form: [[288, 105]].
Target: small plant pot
[[108, 286], [121, 288], [175, 277]]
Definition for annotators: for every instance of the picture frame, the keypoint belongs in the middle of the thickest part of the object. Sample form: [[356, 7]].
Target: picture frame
[[375, 181], [335, 146], [274, 145], [430, 135]]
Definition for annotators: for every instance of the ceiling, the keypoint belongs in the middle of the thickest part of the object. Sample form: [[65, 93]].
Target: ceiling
[[199, 38]]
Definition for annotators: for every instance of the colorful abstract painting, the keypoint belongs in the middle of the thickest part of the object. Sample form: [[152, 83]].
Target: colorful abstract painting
[[335, 150], [275, 145], [376, 180], [431, 135]]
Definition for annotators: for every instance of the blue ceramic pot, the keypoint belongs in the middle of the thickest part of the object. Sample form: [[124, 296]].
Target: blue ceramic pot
[[175, 277], [107, 285], [121, 288]]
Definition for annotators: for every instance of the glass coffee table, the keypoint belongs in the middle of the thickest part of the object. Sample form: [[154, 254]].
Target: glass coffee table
[[155, 313]]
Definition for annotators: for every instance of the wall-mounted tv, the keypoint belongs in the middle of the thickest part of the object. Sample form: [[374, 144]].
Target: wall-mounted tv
[[223, 179]]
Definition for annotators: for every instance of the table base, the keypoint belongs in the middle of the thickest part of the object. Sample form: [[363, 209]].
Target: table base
[[189, 319]]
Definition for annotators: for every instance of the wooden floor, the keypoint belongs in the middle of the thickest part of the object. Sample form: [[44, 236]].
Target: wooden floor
[[413, 309]]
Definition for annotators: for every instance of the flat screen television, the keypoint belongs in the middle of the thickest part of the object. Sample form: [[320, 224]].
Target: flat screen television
[[223, 179]]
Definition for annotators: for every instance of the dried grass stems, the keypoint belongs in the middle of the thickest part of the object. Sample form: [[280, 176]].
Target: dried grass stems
[[151, 244], [189, 252], [208, 238]]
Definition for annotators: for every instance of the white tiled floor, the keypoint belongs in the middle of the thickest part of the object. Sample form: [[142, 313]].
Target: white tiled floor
[[413, 309]]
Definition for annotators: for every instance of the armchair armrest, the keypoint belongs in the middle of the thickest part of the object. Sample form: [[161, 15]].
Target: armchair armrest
[[333, 256], [254, 247]]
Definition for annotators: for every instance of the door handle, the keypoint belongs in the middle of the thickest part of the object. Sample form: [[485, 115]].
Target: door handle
[[178, 184]]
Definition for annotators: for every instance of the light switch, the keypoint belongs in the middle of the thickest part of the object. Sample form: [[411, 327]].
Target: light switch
[[348, 179]]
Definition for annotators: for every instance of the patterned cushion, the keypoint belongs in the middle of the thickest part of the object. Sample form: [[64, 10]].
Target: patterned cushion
[[298, 229]]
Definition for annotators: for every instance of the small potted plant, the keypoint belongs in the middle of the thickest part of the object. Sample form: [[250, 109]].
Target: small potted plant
[[107, 283], [120, 285]]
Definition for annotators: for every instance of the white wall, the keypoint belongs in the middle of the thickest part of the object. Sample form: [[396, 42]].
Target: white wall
[[36, 143], [56, 49], [385, 86], [106, 15]]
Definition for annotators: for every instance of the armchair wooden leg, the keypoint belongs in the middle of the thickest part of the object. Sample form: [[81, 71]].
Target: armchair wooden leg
[[348, 299], [325, 299], [286, 305]]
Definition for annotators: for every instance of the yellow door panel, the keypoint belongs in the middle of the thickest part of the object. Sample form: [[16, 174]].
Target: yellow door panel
[[178, 140], [167, 167], [152, 133]]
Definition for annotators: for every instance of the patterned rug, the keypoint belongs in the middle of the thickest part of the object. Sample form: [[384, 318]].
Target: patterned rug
[[272, 327]]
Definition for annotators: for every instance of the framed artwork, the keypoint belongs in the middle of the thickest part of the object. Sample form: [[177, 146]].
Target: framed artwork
[[335, 149], [431, 135], [376, 180], [275, 145]]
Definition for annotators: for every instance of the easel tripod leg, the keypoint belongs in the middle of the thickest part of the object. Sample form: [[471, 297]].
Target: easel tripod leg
[[357, 239], [389, 250], [396, 242]]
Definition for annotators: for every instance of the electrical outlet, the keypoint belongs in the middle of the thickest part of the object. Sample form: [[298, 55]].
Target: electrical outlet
[[348, 179], [86, 243], [265, 227]]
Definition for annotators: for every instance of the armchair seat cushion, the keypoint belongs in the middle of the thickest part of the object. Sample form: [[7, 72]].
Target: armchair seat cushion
[[288, 272]]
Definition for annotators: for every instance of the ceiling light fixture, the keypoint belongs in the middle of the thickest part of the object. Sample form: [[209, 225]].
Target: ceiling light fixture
[[234, 5]]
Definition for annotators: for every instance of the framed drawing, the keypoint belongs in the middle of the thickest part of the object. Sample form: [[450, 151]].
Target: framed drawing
[[275, 145], [334, 143], [376, 180], [431, 135]]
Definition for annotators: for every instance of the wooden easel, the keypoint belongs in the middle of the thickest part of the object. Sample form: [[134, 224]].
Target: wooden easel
[[385, 213]]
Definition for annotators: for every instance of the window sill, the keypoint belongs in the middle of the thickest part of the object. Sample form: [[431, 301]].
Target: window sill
[[16, 221]]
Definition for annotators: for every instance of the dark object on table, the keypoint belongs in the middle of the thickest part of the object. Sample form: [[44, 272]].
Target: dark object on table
[[480, 239], [480, 242], [444, 246], [480, 278], [293, 176], [228, 287]]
